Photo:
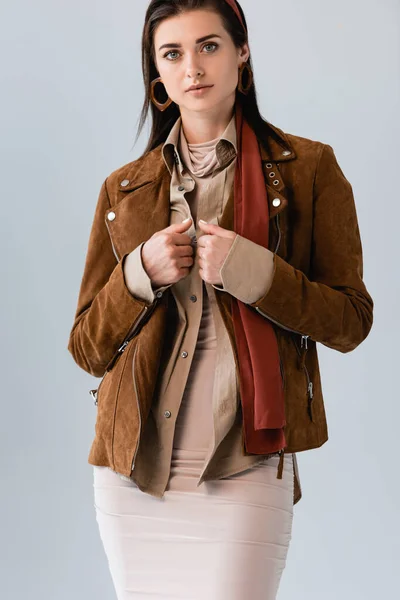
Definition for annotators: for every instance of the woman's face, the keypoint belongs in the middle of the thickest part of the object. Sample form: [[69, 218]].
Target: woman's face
[[183, 61]]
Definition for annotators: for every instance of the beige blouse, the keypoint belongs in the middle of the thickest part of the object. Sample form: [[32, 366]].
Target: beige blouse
[[201, 180]]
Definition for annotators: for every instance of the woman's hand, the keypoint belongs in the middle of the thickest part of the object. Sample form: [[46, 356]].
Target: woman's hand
[[212, 249], [168, 255]]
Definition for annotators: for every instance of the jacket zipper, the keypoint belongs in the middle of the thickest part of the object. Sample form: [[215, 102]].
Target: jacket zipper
[[304, 337], [309, 382], [138, 407], [94, 393], [128, 337]]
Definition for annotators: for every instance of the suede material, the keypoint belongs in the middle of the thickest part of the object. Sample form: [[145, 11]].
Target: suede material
[[317, 290]]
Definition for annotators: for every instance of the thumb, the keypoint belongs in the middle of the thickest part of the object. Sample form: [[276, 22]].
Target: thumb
[[179, 227], [213, 229]]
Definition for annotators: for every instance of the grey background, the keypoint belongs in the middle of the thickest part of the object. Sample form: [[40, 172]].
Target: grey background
[[71, 93]]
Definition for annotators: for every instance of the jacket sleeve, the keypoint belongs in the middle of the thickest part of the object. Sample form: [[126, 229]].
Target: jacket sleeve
[[106, 309], [245, 257], [333, 306]]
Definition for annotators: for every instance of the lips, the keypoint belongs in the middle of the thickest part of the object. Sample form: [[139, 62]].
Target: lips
[[198, 88]]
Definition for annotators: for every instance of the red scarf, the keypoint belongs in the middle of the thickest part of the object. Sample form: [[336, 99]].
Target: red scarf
[[261, 386]]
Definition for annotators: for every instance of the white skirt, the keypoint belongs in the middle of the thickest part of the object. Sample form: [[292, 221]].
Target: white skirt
[[225, 540]]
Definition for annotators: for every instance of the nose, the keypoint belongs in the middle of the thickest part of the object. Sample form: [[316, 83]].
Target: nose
[[193, 65]]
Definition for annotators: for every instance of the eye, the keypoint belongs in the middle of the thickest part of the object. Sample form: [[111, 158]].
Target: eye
[[170, 52], [211, 44], [175, 51]]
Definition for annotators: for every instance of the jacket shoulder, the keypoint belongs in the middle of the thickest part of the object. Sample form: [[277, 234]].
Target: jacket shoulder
[[278, 141], [305, 148]]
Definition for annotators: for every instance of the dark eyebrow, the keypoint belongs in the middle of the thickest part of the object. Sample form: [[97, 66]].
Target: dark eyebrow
[[198, 41]]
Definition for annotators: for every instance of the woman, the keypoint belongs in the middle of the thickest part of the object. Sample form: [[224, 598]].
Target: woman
[[215, 263]]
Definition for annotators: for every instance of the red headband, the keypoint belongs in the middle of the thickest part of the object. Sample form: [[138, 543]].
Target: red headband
[[234, 6]]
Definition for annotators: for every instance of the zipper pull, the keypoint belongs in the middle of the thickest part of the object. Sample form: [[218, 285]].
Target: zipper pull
[[310, 397], [303, 354], [117, 355], [93, 393], [305, 337], [122, 348], [280, 464]]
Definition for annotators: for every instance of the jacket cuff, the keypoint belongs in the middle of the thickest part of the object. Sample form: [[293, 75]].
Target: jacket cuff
[[245, 257], [139, 283]]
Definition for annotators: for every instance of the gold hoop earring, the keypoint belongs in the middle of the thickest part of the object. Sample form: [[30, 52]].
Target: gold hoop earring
[[159, 105], [245, 90]]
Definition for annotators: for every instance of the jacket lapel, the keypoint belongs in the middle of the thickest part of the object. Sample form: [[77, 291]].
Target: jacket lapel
[[142, 209], [142, 204]]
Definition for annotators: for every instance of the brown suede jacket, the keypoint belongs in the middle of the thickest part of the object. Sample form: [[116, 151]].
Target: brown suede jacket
[[317, 292]]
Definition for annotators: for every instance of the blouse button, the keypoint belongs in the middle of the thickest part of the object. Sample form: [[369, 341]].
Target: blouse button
[[184, 354], [167, 414], [181, 188]]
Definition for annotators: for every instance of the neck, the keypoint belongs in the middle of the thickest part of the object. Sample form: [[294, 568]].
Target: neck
[[204, 126]]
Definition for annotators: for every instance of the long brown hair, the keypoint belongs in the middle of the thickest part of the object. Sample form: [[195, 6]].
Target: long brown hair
[[162, 122]]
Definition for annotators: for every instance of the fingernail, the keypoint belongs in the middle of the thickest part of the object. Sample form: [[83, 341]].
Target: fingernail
[[185, 220], [201, 221]]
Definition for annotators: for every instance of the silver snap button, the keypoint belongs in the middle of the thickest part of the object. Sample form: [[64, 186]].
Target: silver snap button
[[124, 182], [111, 216], [181, 188], [276, 182], [184, 354], [272, 174], [159, 294], [276, 202], [269, 165], [193, 298], [167, 414], [286, 152]]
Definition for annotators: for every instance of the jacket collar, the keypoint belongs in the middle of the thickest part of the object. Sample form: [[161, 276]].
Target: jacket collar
[[175, 147], [145, 209], [276, 148]]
